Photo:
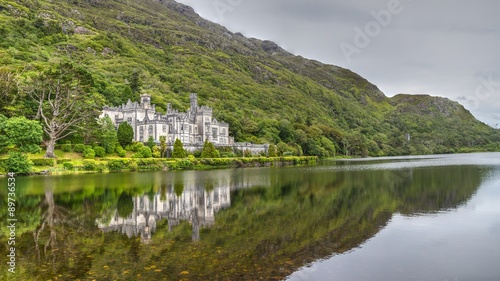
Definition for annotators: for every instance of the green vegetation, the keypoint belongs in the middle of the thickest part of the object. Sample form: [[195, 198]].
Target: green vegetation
[[91, 53], [125, 134], [18, 163], [108, 137], [19, 133], [179, 151], [209, 150]]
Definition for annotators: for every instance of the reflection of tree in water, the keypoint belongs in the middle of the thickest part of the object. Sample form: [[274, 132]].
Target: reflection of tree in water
[[125, 205], [57, 235], [52, 216], [437, 188]]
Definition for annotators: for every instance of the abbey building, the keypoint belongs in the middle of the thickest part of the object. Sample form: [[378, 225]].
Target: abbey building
[[191, 127]]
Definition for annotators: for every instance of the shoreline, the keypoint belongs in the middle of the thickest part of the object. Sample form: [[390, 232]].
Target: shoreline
[[118, 165]]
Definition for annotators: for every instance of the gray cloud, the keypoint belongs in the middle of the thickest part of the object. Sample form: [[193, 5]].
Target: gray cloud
[[433, 47]]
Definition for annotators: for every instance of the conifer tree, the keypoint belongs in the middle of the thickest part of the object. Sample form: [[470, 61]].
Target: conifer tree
[[179, 151], [125, 134], [209, 150]]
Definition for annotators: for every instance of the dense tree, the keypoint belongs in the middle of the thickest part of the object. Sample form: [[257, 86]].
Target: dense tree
[[281, 148], [64, 101], [179, 151], [135, 82], [21, 134], [271, 151], [125, 134], [107, 134]]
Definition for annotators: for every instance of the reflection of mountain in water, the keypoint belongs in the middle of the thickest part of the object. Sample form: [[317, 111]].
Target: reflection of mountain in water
[[195, 205]]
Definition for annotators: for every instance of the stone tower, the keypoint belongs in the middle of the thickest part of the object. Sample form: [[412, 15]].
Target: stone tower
[[146, 101]]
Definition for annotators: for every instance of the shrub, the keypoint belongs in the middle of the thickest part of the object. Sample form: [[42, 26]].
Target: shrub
[[62, 160], [197, 153], [99, 151], [43, 162], [156, 152], [120, 151], [134, 147], [79, 148], [133, 166], [247, 153], [144, 152], [184, 164], [66, 147], [100, 167], [18, 163], [89, 165], [116, 165], [68, 166], [88, 153]]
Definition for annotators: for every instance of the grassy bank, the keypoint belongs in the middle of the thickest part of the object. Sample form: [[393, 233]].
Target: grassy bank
[[73, 163]]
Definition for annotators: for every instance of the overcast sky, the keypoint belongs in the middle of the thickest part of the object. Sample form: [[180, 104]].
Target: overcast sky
[[448, 48]]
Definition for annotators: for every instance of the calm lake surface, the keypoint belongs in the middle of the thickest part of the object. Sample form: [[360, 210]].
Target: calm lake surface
[[401, 218]]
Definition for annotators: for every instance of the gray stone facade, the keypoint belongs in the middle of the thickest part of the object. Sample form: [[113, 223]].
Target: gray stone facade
[[192, 127]]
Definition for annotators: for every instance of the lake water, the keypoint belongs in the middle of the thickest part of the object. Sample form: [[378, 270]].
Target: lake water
[[401, 218]]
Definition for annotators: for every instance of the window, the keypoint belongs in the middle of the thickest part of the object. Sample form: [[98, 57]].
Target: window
[[214, 133], [150, 130], [164, 128]]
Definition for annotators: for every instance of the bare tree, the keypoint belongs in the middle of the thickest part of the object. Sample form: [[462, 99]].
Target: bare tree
[[64, 103]]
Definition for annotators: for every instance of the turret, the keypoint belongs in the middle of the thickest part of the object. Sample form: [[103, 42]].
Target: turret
[[145, 101]]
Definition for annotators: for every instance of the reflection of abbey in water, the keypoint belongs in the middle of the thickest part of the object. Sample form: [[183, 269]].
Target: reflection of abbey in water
[[194, 205]]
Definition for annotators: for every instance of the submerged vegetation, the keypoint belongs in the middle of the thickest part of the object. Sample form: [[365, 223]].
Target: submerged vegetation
[[121, 49]]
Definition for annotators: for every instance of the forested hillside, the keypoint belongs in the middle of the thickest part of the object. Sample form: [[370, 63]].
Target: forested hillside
[[124, 48]]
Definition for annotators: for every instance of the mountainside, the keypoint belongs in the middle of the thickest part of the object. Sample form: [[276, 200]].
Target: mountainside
[[266, 94]]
